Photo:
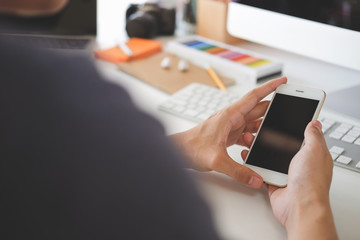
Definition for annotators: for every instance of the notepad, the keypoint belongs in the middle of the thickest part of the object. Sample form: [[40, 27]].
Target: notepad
[[141, 48]]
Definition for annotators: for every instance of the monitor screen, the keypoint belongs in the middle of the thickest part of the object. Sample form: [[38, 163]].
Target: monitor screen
[[340, 13], [77, 18], [324, 30]]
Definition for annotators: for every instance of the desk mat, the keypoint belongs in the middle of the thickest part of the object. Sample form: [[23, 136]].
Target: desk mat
[[169, 80]]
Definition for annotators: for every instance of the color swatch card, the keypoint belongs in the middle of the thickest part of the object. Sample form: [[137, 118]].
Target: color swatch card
[[230, 61]]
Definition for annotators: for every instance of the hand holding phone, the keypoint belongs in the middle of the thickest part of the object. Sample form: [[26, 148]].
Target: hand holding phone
[[281, 133], [303, 207], [206, 145]]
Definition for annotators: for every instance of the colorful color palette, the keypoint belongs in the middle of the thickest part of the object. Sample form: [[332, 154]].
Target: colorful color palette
[[231, 55]]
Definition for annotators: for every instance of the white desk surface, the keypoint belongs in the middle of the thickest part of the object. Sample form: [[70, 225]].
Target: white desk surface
[[240, 212]]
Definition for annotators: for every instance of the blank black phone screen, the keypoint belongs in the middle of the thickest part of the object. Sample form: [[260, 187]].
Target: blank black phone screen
[[282, 132]]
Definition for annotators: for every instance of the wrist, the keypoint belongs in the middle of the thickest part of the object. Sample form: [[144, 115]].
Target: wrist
[[305, 208], [181, 141], [311, 218]]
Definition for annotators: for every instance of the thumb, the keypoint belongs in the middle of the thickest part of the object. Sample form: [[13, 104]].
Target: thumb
[[313, 133]]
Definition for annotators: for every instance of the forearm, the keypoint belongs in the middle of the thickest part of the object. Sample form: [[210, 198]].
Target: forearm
[[311, 220]]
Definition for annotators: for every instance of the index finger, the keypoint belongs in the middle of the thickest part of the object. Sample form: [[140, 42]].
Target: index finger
[[238, 172], [250, 100]]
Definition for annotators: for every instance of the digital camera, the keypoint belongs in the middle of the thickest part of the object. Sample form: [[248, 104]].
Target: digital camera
[[149, 20]]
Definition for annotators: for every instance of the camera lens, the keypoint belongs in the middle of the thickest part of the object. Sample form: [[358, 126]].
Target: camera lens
[[141, 25]]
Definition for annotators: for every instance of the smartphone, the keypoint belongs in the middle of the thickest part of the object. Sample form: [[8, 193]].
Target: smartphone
[[281, 133]]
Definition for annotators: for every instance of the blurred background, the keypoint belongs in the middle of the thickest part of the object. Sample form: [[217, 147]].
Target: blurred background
[[111, 23], [112, 15]]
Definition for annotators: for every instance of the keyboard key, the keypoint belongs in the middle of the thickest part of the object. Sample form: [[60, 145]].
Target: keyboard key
[[183, 96], [346, 125], [212, 106], [192, 106], [344, 160], [203, 103], [328, 122], [190, 112], [354, 133], [337, 150], [342, 129], [358, 165], [357, 142], [199, 90], [179, 109], [204, 116], [222, 105], [179, 102], [200, 109], [348, 138], [356, 128], [324, 129], [336, 135], [207, 99], [334, 155], [194, 100]]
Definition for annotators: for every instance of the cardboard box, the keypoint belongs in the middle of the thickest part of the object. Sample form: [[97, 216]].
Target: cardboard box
[[211, 20]]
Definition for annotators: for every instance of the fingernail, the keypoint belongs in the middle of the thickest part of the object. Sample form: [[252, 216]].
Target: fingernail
[[255, 181]]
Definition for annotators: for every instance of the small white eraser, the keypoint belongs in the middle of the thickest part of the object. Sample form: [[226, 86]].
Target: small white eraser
[[165, 63], [183, 65]]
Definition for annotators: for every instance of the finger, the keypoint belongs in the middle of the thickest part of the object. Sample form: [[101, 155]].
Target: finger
[[239, 172], [253, 126], [258, 111], [247, 139], [249, 101], [244, 154], [240, 138]]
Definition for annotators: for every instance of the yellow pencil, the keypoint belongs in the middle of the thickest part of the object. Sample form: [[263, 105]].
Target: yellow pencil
[[216, 79]]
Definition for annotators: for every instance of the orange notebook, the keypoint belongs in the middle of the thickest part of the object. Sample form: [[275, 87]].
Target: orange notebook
[[141, 48]]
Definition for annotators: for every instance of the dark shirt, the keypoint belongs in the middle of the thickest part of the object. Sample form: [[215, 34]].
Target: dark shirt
[[79, 161]]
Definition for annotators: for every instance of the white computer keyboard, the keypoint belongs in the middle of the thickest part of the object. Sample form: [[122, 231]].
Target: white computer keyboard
[[197, 102], [343, 140]]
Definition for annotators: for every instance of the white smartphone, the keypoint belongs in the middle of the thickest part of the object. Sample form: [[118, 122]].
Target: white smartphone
[[281, 133]]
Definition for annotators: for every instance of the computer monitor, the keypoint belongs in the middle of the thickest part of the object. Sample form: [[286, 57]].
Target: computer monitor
[[325, 30]]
